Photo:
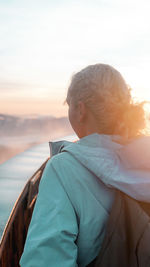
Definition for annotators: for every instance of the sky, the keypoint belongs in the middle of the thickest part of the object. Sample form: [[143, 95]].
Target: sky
[[43, 43]]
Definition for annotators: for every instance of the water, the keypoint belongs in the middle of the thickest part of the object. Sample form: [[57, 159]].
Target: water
[[14, 174]]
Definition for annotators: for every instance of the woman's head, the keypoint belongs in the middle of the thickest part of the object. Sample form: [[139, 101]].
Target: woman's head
[[102, 91]]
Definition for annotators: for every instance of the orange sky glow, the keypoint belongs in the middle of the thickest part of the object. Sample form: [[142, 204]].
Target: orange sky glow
[[30, 107], [44, 42]]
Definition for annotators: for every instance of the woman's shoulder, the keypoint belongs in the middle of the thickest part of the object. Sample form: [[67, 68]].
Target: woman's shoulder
[[60, 158], [63, 163]]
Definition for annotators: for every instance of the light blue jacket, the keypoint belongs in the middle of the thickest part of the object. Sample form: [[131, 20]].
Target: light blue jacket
[[76, 194]]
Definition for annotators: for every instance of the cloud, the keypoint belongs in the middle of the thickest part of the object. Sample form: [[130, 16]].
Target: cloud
[[44, 42]]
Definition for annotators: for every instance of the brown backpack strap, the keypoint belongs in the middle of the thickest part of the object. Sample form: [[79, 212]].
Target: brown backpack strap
[[145, 206], [92, 264], [127, 223]]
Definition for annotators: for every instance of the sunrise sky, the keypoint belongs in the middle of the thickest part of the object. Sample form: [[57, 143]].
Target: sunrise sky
[[43, 42]]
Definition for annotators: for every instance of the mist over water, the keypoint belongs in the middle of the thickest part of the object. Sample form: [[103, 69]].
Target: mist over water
[[18, 134]]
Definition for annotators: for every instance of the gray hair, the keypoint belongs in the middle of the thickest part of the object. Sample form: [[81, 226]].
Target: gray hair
[[104, 91]]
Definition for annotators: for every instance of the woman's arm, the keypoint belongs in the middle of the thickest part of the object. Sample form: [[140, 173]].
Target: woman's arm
[[53, 229]]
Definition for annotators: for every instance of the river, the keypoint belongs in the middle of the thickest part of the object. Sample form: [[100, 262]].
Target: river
[[14, 174]]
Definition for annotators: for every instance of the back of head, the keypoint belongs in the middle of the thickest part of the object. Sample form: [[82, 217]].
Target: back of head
[[106, 94]]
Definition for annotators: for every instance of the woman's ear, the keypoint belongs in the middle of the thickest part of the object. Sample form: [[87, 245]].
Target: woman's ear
[[82, 111]]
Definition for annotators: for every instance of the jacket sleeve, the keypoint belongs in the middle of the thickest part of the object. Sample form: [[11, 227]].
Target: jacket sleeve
[[53, 229]]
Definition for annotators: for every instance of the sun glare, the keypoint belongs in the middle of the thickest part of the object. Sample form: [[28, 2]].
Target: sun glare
[[44, 46]]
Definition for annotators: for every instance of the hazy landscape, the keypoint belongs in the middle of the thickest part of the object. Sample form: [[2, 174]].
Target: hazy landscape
[[19, 133]]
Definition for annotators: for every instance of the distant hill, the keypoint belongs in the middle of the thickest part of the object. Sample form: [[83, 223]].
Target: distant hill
[[19, 133], [13, 125]]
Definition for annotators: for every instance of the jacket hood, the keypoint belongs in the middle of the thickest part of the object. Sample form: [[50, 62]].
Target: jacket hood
[[122, 166]]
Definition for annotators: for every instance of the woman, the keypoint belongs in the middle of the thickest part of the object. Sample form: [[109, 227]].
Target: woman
[[77, 187]]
